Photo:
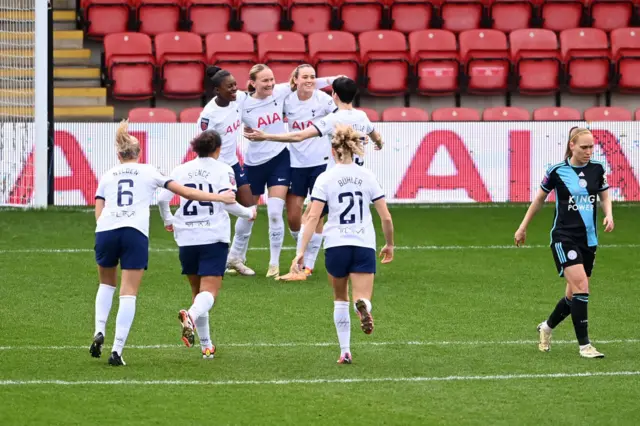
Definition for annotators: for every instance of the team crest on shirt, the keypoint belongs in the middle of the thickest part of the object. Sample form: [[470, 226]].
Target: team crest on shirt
[[582, 183], [204, 124], [232, 179]]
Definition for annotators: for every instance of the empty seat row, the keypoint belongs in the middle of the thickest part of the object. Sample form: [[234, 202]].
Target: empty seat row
[[102, 17], [429, 62], [191, 115]]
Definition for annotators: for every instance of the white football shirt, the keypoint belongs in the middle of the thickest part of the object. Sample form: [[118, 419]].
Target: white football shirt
[[266, 115], [195, 222], [357, 119], [225, 121], [348, 190], [127, 191], [300, 115]]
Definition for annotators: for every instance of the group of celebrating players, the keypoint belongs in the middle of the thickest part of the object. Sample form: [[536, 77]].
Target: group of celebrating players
[[321, 158]]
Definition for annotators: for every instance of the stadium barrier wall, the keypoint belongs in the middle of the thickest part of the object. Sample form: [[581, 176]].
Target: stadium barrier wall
[[420, 163]]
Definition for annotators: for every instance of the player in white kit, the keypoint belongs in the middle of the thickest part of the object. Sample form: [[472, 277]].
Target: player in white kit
[[350, 238], [122, 235], [222, 114], [268, 163], [344, 92], [308, 158], [202, 232]]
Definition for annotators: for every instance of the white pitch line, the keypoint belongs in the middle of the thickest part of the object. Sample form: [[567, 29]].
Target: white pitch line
[[291, 248], [329, 344], [497, 377]]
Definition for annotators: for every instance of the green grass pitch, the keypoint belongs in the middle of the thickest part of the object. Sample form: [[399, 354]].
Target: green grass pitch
[[455, 339]]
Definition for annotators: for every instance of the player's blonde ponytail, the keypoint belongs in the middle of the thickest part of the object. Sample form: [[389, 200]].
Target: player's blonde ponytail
[[127, 146], [346, 142], [574, 134]]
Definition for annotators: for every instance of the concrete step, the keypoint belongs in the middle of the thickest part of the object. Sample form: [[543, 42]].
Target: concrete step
[[62, 4], [73, 96], [95, 113], [24, 20], [23, 58], [63, 77], [61, 39]]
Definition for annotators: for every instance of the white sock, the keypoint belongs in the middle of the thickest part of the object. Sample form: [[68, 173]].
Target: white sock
[[299, 240], [126, 313], [546, 327], [241, 237], [202, 303], [202, 328], [295, 234], [343, 325], [367, 303], [275, 207], [313, 249], [104, 299]]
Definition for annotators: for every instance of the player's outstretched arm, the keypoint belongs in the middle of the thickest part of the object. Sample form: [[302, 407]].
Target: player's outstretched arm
[[322, 82], [259, 136], [538, 201], [249, 213], [607, 208], [228, 197], [99, 207], [377, 139], [387, 229]]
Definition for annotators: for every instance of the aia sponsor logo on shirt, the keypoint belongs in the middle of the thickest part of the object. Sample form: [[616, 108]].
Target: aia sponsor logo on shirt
[[233, 128], [269, 119], [301, 125]]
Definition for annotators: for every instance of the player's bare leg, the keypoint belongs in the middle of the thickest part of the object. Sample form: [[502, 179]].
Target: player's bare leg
[[104, 300], [362, 290], [341, 317]]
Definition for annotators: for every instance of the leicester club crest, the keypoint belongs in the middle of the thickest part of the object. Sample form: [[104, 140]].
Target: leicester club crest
[[204, 124]]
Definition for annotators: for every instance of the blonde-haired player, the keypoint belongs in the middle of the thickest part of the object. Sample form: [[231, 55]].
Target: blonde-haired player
[[308, 158], [122, 235], [350, 238], [268, 164]]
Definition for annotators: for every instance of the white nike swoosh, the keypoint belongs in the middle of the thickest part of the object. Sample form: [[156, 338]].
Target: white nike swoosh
[[241, 175]]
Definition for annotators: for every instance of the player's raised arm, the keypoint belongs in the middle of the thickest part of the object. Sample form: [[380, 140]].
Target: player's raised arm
[[228, 197], [291, 137]]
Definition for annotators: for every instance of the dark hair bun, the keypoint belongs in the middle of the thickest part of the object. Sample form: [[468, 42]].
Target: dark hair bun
[[212, 71]]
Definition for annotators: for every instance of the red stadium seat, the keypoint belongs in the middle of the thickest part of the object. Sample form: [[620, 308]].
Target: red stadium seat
[[506, 114], [158, 16], [625, 50], [486, 59], [386, 63], [152, 115], [372, 114], [434, 54], [334, 53], [310, 16], [102, 17], [608, 15], [511, 15], [232, 51], [556, 114], [637, 114], [411, 15], [461, 15], [585, 52], [259, 16], [282, 51], [129, 65], [559, 15], [190, 115], [607, 114], [455, 114], [208, 16], [405, 114], [181, 60], [537, 61], [359, 16]]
